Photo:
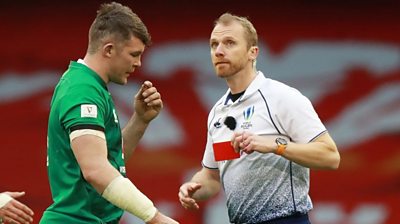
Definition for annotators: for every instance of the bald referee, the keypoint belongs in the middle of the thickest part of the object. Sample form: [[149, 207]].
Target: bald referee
[[86, 148], [263, 137]]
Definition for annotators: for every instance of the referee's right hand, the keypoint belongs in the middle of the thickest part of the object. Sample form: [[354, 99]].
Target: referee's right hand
[[185, 195]]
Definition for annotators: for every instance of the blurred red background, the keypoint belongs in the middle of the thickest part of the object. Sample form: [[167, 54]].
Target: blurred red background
[[343, 55]]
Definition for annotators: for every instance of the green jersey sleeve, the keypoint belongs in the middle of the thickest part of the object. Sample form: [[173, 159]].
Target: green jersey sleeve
[[83, 105]]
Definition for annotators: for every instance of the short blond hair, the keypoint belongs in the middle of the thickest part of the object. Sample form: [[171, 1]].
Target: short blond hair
[[250, 32]]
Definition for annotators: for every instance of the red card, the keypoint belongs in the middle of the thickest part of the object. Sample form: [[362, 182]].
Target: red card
[[224, 151]]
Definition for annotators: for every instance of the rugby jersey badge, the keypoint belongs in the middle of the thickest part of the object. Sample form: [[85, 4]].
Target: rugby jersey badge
[[89, 110]]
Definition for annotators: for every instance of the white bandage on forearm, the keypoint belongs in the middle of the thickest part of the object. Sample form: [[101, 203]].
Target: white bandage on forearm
[[4, 199], [123, 194], [81, 132]]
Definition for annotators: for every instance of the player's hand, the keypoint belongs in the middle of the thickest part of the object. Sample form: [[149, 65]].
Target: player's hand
[[185, 195], [148, 103], [14, 211], [160, 218]]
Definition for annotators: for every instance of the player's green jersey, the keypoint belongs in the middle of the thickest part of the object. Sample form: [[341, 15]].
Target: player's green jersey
[[80, 101]]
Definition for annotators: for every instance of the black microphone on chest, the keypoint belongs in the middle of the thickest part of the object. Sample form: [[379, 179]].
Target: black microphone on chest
[[230, 122]]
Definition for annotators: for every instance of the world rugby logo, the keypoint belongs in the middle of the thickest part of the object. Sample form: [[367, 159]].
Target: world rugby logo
[[247, 115]]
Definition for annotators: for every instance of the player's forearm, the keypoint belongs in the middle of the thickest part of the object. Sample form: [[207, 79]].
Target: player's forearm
[[120, 191], [101, 176], [123, 193], [131, 135], [317, 155]]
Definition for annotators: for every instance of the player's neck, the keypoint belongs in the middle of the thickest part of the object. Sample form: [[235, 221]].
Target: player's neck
[[96, 63]]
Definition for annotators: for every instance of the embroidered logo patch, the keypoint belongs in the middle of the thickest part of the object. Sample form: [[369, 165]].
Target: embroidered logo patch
[[247, 115], [89, 110], [218, 124]]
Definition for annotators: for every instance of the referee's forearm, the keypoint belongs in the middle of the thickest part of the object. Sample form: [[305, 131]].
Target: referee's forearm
[[210, 184]]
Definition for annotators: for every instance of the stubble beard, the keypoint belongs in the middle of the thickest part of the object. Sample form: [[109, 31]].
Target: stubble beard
[[227, 73]]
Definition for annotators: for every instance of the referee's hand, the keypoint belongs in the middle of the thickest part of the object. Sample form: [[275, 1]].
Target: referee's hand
[[185, 195]]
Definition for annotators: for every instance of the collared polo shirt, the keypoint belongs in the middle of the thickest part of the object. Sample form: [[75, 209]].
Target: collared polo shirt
[[261, 187]]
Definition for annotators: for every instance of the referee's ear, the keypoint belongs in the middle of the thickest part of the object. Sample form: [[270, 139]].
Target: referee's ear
[[253, 53]]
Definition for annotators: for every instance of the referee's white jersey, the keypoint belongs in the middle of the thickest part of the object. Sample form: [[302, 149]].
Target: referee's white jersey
[[261, 187]]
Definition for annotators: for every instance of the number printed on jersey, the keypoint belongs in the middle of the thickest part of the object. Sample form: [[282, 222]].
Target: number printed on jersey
[[89, 110]]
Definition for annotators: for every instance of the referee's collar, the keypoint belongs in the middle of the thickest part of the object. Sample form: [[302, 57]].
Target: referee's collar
[[252, 88]]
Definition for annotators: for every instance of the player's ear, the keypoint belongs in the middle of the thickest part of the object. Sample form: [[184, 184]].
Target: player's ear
[[108, 49]]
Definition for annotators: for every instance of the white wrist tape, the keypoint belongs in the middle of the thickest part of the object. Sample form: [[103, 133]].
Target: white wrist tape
[[4, 199], [122, 193]]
